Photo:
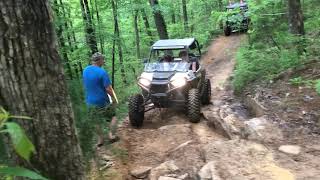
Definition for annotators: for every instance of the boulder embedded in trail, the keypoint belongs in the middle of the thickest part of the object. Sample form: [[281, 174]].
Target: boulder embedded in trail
[[164, 168], [209, 172], [290, 149], [141, 172], [244, 160], [262, 130]]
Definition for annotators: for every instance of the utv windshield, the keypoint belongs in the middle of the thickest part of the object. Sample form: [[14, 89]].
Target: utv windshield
[[167, 67]]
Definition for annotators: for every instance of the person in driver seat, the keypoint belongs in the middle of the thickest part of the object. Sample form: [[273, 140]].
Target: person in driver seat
[[167, 58], [183, 54]]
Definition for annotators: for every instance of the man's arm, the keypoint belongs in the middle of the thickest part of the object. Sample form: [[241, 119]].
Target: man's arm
[[194, 66], [110, 91]]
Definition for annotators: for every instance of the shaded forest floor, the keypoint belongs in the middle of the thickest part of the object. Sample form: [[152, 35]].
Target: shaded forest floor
[[269, 132]]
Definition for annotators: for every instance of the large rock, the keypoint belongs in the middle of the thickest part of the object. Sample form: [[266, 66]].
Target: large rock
[[141, 172], [254, 106], [224, 122], [261, 130], [209, 172], [290, 149], [164, 168], [244, 160]]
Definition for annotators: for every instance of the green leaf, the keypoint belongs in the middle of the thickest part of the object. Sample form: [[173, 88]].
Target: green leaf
[[4, 115], [21, 172], [21, 142]]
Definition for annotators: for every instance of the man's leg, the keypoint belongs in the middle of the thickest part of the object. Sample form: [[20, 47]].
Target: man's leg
[[100, 135], [113, 128]]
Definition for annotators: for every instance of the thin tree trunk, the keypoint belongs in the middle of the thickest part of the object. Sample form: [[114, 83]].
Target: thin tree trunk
[[118, 40], [192, 24], [32, 83], [90, 33], [113, 59], [101, 38], [61, 39], [147, 25], [159, 20], [92, 12], [66, 26], [220, 5], [136, 30], [295, 17], [73, 33], [173, 17], [185, 15]]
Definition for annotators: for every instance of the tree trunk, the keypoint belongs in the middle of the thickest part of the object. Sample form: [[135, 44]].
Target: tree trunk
[[113, 60], [61, 39], [90, 33], [32, 83], [118, 39], [159, 20], [173, 17], [66, 26], [101, 39], [295, 17], [73, 33], [220, 5], [185, 15], [136, 30], [147, 26]]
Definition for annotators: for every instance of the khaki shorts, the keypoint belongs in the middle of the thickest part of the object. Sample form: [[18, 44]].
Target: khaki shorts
[[101, 115]]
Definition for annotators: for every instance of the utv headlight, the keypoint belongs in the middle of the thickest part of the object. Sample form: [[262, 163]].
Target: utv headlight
[[145, 79], [178, 82], [144, 82]]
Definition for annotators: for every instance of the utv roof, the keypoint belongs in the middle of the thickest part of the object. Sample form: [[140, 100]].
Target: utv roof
[[236, 5], [173, 43]]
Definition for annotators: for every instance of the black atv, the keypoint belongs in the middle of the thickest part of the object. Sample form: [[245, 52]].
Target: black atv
[[171, 84], [237, 18]]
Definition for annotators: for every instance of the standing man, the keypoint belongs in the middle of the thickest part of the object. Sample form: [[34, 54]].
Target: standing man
[[97, 85]]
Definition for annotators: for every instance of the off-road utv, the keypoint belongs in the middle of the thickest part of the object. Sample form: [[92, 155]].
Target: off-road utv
[[171, 84], [237, 18]]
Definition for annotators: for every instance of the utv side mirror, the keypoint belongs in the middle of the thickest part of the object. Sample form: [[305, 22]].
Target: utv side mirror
[[145, 60]]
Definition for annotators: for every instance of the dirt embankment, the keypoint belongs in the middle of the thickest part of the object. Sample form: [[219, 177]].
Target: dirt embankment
[[228, 143]]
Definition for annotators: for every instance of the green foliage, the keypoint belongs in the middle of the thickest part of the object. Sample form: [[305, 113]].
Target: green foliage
[[296, 81], [271, 49], [317, 86], [253, 64], [21, 144], [20, 172], [299, 81]]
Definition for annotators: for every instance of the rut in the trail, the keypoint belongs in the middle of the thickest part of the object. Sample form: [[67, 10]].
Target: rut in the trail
[[168, 135]]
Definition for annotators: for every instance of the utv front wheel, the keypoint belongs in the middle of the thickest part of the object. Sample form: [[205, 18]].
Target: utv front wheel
[[136, 110], [194, 105], [206, 92], [227, 31]]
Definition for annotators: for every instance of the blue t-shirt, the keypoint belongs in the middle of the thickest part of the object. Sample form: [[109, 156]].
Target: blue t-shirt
[[95, 80]]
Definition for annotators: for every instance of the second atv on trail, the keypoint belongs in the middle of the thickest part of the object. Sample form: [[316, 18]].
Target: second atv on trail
[[172, 77], [237, 18]]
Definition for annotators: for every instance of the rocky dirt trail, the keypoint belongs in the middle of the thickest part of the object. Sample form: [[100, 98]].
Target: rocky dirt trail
[[233, 141]]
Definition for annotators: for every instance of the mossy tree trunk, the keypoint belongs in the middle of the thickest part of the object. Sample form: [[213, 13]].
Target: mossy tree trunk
[[32, 83]]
